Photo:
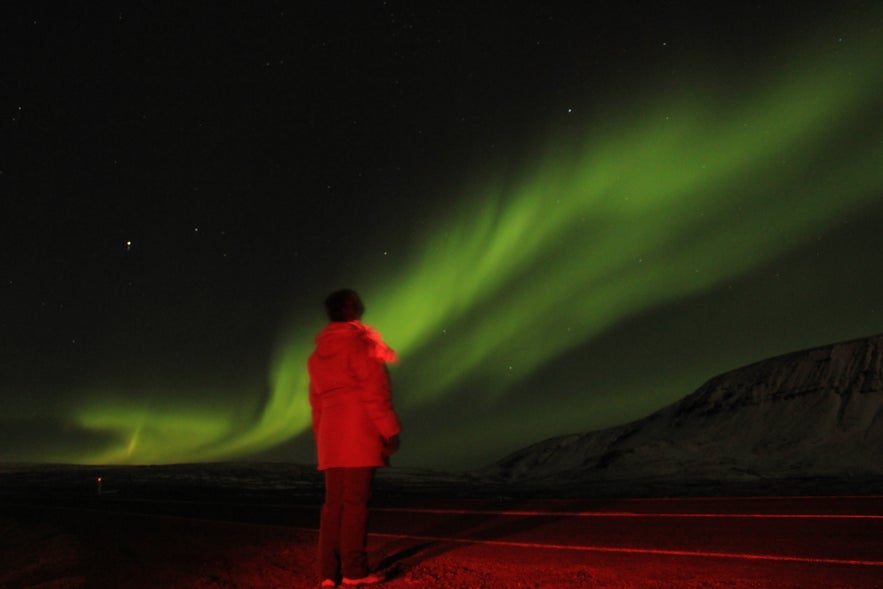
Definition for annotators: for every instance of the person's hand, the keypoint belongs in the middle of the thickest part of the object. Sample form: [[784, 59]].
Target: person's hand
[[391, 445]]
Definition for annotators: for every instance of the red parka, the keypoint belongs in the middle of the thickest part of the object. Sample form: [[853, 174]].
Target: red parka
[[351, 396]]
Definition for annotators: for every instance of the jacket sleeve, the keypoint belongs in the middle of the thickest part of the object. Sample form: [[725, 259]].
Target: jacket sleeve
[[375, 393], [316, 408]]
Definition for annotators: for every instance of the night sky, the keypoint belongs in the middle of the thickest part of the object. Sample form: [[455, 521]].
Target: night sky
[[563, 216]]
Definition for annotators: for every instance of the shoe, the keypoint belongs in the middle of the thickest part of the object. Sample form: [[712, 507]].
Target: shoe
[[328, 583], [366, 580]]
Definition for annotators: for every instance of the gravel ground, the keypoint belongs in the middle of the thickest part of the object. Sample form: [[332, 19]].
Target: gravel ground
[[76, 548]]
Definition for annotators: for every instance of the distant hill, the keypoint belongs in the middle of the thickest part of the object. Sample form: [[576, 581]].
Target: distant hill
[[813, 413]]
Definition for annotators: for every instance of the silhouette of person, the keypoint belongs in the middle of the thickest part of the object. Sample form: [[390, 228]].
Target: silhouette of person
[[356, 429]]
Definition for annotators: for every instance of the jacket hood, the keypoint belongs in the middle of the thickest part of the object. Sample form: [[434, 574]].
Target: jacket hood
[[339, 335]]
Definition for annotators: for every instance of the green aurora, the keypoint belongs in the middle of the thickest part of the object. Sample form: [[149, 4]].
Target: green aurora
[[654, 202]]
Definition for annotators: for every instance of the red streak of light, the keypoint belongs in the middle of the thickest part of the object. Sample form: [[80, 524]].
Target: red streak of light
[[652, 551], [516, 513]]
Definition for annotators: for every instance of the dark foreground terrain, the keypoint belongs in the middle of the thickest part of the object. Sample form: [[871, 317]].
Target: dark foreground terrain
[[254, 526]]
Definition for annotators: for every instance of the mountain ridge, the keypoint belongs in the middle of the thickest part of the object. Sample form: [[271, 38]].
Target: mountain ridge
[[810, 413]]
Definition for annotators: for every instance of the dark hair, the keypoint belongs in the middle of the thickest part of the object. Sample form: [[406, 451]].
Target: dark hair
[[344, 305]]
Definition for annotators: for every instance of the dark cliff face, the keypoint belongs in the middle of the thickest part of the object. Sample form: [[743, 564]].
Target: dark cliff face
[[845, 369], [817, 412]]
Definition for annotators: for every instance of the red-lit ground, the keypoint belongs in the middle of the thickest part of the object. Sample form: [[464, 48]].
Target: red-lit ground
[[701, 543]]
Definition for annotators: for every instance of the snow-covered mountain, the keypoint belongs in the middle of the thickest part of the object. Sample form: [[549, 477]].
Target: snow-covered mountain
[[814, 413]]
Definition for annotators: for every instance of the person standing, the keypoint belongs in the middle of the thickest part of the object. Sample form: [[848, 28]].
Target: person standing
[[356, 430]]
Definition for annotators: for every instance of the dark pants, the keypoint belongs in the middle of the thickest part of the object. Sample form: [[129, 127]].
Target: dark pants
[[343, 528]]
